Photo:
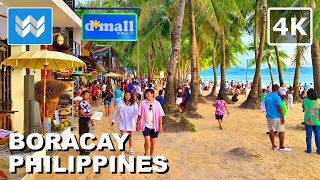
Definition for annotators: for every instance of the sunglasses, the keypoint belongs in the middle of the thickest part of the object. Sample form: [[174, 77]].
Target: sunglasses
[[150, 107]]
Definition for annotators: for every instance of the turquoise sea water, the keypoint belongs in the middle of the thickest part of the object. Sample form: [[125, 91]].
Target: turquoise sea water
[[239, 74]]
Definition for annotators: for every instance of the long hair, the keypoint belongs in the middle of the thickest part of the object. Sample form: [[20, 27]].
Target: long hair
[[220, 97], [132, 99], [108, 90]]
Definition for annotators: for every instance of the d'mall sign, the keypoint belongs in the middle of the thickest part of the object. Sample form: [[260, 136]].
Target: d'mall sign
[[109, 27]]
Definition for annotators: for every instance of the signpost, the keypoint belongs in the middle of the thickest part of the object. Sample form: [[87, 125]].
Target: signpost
[[109, 27]]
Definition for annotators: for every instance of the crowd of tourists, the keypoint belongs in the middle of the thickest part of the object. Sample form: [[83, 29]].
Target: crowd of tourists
[[141, 109], [138, 110]]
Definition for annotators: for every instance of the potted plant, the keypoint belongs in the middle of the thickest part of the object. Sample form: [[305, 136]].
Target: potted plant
[[54, 90]]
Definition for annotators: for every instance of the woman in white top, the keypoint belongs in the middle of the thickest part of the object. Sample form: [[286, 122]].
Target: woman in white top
[[127, 110]]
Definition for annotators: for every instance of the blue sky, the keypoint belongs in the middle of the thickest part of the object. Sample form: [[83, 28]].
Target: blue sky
[[247, 39]]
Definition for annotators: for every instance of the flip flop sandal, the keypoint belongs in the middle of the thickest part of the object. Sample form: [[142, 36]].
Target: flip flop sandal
[[276, 148], [131, 151], [285, 149]]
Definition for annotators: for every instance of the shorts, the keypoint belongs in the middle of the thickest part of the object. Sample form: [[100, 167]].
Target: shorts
[[150, 132], [117, 100], [275, 125], [178, 101], [94, 98], [106, 102], [83, 125], [219, 117]]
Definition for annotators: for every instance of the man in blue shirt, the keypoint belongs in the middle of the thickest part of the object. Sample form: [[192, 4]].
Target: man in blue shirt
[[275, 117], [160, 97]]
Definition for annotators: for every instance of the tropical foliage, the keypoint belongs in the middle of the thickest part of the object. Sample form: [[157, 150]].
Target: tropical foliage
[[184, 36]]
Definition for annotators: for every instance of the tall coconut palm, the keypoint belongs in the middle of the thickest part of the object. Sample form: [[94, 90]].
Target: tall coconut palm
[[169, 99], [315, 50], [193, 103], [270, 55], [253, 98]]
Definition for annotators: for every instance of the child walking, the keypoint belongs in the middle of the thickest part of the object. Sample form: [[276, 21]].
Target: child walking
[[262, 99], [220, 105]]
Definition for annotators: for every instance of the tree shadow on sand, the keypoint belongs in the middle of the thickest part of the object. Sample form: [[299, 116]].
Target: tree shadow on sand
[[177, 123]]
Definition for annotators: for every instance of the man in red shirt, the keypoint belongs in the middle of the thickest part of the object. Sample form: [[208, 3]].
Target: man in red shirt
[[94, 94]]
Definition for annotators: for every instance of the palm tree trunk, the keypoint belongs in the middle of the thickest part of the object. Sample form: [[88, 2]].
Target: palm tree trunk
[[213, 93], [256, 11], [169, 99], [192, 105], [138, 61], [253, 100], [278, 62], [270, 71], [223, 89], [296, 90], [149, 66], [315, 55]]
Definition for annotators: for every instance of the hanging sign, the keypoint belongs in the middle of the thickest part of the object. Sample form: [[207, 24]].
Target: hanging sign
[[109, 27]]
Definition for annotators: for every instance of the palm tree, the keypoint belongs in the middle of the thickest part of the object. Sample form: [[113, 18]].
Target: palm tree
[[253, 101], [169, 99], [270, 55], [193, 103], [315, 49]]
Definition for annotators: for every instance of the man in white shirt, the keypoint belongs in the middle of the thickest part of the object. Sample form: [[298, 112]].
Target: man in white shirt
[[282, 90], [310, 86]]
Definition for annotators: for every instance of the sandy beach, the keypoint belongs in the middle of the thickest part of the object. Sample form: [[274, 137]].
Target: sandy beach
[[241, 151]]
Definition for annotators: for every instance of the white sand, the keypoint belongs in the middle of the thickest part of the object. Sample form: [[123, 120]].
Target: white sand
[[205, 154]]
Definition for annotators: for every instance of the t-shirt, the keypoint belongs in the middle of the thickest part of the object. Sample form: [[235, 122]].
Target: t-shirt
[[117, 93], [282, 91], [284, 107], [160, 99], [108, 97], [220, 105], [311, 111], [272, 102], [94, 90], [149, 119], [305, 87], [186, 96], [263, 97], [104, 87], [84, 106], [130, 87]]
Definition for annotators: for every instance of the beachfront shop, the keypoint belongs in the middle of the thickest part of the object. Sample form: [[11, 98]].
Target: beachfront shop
[[31, 97]]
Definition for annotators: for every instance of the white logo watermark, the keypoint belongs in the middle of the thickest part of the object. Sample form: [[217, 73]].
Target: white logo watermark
[[29, 24], [286, 23]]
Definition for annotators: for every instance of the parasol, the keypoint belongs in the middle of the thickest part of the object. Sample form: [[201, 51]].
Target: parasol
[[43, 59], [111, 74]]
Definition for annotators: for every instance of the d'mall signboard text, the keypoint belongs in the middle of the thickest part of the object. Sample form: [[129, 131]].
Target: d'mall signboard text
[[109, 27]]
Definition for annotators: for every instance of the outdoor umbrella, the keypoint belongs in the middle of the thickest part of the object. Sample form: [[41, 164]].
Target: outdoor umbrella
[[43, 59], [111, 74]]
